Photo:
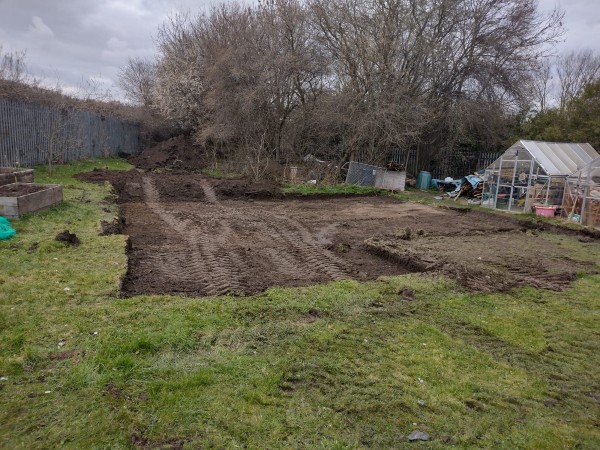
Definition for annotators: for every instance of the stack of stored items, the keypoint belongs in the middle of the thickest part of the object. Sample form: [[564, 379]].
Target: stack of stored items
[[468, 186]]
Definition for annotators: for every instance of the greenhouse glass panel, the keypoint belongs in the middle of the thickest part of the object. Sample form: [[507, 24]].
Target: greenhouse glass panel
[[532, 173]]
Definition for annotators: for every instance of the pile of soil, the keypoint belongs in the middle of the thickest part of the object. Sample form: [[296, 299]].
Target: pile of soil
[[68, 238], [483, 260], [180, 187], [180, 154], [177, 153], [126, 184], [115, 226], [239, 189]]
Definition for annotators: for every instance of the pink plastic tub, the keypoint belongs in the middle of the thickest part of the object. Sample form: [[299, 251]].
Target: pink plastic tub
[[546, 211]]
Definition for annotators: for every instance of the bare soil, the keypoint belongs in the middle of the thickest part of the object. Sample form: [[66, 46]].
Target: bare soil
[[194, 235], [217, 246], [68, 238], [178, 153], [18, 190]]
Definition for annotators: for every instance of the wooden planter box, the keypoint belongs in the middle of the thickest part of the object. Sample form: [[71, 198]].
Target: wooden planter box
[[17, 199], [8, 174]]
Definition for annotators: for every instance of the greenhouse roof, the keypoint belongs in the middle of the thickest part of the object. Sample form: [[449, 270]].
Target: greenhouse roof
[[558, 158], [591, 169]]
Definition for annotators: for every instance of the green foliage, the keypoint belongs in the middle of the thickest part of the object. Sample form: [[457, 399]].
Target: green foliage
[[585, 116], [579, 122], [312, 189]]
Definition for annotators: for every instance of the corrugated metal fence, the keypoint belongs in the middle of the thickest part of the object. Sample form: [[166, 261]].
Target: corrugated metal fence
[[454, 164], [33, 134]]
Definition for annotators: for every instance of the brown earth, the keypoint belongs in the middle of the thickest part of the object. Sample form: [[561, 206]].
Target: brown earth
[[12, 190], [193, 235], [68, 238], [177, 153], [216, 246]]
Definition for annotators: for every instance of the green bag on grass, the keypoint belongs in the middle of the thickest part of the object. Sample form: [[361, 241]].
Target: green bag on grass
[[6, 231]]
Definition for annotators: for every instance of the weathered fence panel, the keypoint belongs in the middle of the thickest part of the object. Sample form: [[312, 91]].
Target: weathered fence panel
[[457, 164], [408, 158], [454, 163], [33, 134], [362, 174]]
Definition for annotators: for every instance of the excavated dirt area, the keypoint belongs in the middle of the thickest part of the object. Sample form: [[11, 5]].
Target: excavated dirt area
[[194, 235]]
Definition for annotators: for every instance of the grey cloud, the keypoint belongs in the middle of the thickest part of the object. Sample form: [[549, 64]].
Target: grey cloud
[[75, 39], [71, 40], [581, 23], [39, 28]]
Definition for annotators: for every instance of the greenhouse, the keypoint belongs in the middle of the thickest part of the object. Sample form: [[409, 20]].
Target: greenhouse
[[530, 176], [581, 201]]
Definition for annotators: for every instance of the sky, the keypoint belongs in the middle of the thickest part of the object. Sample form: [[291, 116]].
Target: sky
[[70, 42]]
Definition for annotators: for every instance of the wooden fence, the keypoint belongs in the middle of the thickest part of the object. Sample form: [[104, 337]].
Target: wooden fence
[[33, 134]]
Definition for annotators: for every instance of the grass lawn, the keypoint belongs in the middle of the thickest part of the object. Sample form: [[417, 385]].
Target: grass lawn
[[337, 366]]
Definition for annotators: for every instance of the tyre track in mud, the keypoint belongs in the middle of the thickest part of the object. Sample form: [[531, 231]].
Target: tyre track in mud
[[192, 241], [293, 236], [203, 261], [219, 247]]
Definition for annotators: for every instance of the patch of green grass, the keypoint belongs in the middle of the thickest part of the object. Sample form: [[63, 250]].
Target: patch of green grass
[[339, 365], [63, 174]]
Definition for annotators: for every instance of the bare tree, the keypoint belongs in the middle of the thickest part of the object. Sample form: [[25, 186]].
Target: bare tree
[[575, 70], [12, 65], [137, 79], [237, 75], [93, 89], [181, 85], [350, 76], [542, 85], [419, 60]]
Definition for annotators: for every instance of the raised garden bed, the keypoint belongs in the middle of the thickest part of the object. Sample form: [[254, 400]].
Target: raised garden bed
[[17, 199], [9, 175]]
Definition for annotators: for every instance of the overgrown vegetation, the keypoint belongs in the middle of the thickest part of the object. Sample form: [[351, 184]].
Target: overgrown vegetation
[[340, 365], [577, 121], [437, 81], [344, 78], [216, 172]]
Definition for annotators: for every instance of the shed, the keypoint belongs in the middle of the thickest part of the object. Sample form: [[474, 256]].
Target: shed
[[533, 173], [581, 201]]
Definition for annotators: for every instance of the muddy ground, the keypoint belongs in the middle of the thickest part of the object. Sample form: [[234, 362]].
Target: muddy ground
[[193, 235]]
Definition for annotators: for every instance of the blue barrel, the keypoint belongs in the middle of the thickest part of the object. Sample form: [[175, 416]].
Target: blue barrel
[[423, 180]]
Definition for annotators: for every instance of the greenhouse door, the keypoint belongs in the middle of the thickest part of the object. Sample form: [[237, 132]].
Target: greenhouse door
[[514, 185]]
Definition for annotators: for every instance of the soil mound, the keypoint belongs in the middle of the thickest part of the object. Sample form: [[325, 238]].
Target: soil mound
[[114, 226], [485, 261], [239, 189], [68, 238], [176, 153]]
